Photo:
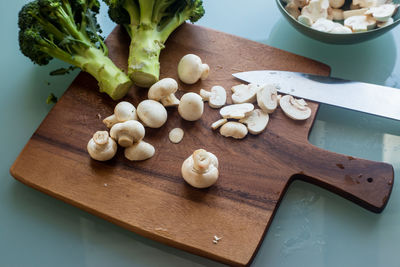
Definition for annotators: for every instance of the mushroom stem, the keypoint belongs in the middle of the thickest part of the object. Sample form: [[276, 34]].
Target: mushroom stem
[[205, 70], [110, 121], [101, 138], [125, 140], [170, 100], [201, 161]]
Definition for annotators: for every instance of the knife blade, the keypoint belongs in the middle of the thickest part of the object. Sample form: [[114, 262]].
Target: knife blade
[[365, 97]]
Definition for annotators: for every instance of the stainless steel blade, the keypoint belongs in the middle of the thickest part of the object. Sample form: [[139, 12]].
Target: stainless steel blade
[[369, 98]]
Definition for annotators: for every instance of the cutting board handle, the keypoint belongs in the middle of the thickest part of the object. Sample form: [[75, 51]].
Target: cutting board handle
[[341, 174]]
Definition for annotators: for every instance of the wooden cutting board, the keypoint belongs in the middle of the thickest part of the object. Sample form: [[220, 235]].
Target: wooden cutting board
[[150, 197]]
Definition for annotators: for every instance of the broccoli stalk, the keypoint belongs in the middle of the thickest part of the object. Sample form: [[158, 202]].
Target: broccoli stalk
[[149, 23], [68, 30]]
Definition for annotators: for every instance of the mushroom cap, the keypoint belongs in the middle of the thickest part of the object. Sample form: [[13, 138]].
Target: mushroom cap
[[127, 133], [190, 69], [152, 113], [236, 111], [125, 111], [139, 151], [191, 107], [267, 98], [233, 129], [256, 121], [163, 88], [200, 179], [295, 109], [101, 147], [336, 3]]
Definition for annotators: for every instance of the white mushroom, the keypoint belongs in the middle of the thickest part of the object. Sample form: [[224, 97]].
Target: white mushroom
[[127, 133], [191, 69], [215, 125], [303, 19], [336, 3], [164, 91], [236, 111], [316, 9], [123, 111], [360, 23], [139, 151], [382, 13], [267, 98], [200, 169], [233, 129], [152, 113], [101, 147], [243, 93], [293, 10], [384, 24], [295, 109], [355, 12], [339, 28], [368, 3], [176, 135], [323, 25], [191, 107], [256, 121], [337, 14], [216, 97]]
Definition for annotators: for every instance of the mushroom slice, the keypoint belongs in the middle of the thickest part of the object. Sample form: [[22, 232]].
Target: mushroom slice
[[236, 111], [200, 169], [244, 93], [256, 121], [316, 9], [101, 147], [123, 111], [267, 98], [295, 109], [233, 129], [339, 28], [336, 3], [303, 19], [152, 113], [384, 24], [355, 12], [216, 97], [337, 14], [127, 133], [360, 23], [164, 90], [218, 124], [176, 135], [382, 13], [293, 10], [323, 25], [368, 3], [139, 151]]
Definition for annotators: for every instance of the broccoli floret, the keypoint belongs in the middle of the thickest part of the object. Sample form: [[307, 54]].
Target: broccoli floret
[[68, 30], [149, 23]]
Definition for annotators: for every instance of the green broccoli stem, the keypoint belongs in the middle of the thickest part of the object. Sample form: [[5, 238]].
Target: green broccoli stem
[[111, 79], [144, 53]]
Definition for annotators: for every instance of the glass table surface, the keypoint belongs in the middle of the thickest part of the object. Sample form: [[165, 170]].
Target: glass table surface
[[312, 227]]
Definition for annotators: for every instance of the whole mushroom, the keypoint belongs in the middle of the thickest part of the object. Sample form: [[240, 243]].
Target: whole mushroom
[[164, 91], [101, 147], [191, 107], [200, 169], [191, 69], [127, 133], [152, 113], [123, 111]]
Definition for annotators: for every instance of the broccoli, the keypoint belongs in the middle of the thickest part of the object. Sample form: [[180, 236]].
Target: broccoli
[[68, 30], [149, 23]]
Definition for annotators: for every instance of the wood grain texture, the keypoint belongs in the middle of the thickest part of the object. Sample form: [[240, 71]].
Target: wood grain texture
[[150, 197]]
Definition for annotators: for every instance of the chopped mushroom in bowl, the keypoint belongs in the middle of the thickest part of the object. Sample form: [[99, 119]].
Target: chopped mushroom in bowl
[[341, 21]]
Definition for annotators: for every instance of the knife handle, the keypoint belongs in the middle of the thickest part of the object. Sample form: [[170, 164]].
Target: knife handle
[[366, 183]]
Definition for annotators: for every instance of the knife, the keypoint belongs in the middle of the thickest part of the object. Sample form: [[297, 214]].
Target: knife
[[365, 97]]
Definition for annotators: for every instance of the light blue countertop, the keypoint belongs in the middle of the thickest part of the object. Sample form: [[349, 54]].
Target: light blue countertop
[[312, 226]]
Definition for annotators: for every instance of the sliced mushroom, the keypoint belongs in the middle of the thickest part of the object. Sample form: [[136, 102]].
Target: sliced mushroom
[[367, 3], [303, 19], [152, 113], [236, 111], [216, 97], [164, 90], [191, 107], [295, 109], [384, 24], [360, 23], [355, 12], [200, 169], [337, 14], [123, 111], [244, 93], [127, 133], [267, 98], [316, 9], [233, 129], [336, 3], [382, 13], [323, 25], [339, 28], [218, 123], [293, 10], [139, 151], [101, 147], [256, 121], [176, 135]]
